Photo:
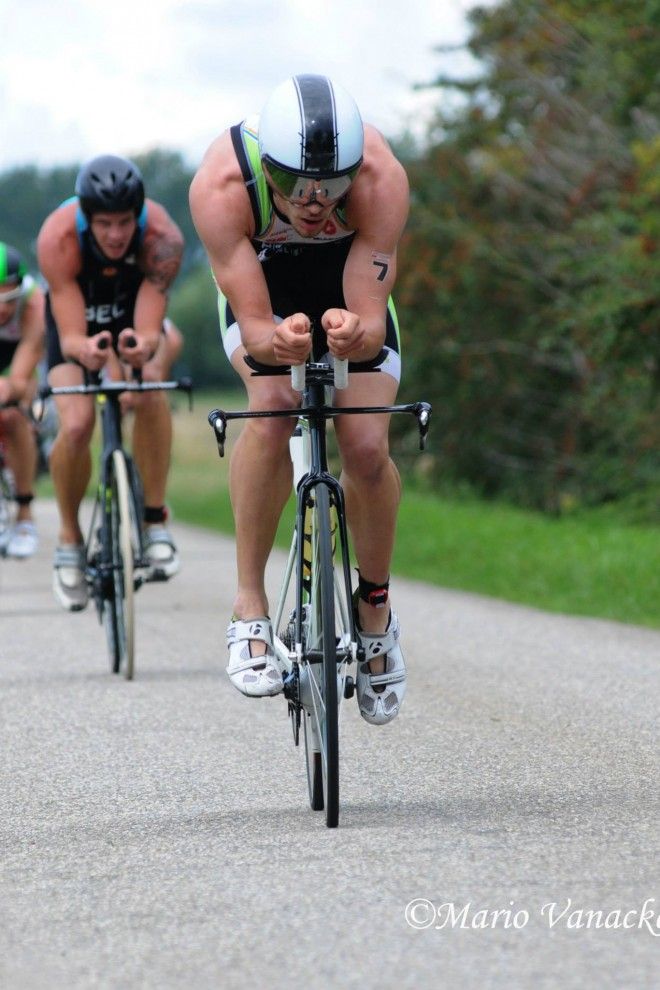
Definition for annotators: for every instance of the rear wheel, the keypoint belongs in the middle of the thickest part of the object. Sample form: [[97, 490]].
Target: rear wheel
[[319, 670]]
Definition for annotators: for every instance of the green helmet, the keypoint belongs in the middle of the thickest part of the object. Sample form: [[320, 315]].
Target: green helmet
[[12, 266]]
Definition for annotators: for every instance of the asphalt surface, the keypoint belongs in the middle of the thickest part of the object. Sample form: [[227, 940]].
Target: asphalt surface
[[157, 833]]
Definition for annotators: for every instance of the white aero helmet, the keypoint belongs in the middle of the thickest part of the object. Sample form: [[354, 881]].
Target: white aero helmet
[[311, 139]]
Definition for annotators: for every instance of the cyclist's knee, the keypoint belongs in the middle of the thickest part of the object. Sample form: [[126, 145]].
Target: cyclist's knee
[[365, 457], [147, 403], [152, 371], [272, 434], [10, 420], [77, 430]]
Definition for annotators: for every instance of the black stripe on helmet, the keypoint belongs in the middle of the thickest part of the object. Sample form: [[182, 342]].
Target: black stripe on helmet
[[318, 144]]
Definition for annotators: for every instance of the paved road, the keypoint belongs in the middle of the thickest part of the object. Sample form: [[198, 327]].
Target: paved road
[[156, 834]]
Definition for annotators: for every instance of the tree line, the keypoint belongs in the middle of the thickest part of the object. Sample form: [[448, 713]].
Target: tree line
[[529, 285], [530, 282]]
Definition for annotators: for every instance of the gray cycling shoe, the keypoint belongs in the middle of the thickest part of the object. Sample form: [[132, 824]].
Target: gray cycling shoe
[[380, 696], [160, 552], [69, 581]]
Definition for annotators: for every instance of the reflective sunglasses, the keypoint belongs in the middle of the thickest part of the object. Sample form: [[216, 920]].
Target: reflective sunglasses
[[302, 190], [11, 294]]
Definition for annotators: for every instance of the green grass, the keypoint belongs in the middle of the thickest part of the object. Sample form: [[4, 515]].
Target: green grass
[[587, 563], [581, 564]]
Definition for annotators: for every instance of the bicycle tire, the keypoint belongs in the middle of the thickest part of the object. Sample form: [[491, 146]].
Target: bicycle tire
[[321, 720], [6, 496], [119, 604]]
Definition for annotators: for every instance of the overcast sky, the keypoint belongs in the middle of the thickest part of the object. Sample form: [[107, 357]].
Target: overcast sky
[[83, 77]]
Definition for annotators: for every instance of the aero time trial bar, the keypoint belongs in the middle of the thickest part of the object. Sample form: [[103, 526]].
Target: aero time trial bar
[[340, 366]]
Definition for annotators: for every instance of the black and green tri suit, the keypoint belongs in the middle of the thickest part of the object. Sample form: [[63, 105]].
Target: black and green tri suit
[[109, 288], [303, 274]]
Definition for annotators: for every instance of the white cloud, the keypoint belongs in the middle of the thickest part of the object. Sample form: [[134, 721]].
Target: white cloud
[[82, 76]]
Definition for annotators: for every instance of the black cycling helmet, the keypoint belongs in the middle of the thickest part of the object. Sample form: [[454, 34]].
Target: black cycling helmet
[[109, 184], [12, 266]]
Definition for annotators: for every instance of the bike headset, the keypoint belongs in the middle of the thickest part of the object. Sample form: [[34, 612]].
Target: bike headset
[[12, 270], [311, 140]]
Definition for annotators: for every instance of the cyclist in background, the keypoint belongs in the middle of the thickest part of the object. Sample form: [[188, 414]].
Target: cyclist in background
[[109, 256], [301, 211], [21, 348]]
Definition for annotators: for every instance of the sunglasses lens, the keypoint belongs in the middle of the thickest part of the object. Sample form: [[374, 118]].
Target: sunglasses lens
[[301, 189]]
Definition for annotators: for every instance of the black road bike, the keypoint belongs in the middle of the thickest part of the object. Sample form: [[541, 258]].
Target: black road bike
[[116, 563], [315, 632]]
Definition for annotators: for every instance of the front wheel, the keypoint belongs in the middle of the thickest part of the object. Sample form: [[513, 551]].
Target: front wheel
[[6, 496], [319, 670], [118, 606]]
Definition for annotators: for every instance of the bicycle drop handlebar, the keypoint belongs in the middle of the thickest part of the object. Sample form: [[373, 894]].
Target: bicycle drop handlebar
[[315, 374], [99, 387]]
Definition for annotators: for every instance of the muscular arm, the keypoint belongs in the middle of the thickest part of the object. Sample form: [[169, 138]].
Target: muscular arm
[[160, 259], [221, 214], [378, 210], [59, 260], [31, 346]]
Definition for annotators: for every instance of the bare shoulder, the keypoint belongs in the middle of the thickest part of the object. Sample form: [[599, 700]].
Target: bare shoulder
[[160, 256], [160, 224], [380, 193], [219, 202], [381, 165], [58, 249]]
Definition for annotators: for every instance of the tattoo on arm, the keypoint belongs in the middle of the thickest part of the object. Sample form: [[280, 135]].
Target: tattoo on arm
[[382, 263], [162, 260]]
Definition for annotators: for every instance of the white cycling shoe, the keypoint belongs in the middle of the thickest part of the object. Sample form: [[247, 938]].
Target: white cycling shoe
[[161, 552], [69, 581], [380, 696], [256, 677], [23, 540]]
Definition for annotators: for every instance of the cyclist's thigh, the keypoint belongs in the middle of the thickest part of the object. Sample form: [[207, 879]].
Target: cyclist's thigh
[[368, 389], [74, 411]]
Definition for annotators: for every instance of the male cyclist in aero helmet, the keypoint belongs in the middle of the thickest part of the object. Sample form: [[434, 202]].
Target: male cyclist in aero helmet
[[109, 257], [21, 349], [301, 210]]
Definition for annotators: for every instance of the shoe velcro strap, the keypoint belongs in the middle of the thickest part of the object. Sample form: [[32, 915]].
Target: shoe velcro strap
[[249, 663], [158, 534], [376, 644], [70, 557], [259, 628], [392, 677]]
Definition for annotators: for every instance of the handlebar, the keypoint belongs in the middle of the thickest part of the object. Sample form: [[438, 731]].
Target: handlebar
[[115, 388]]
